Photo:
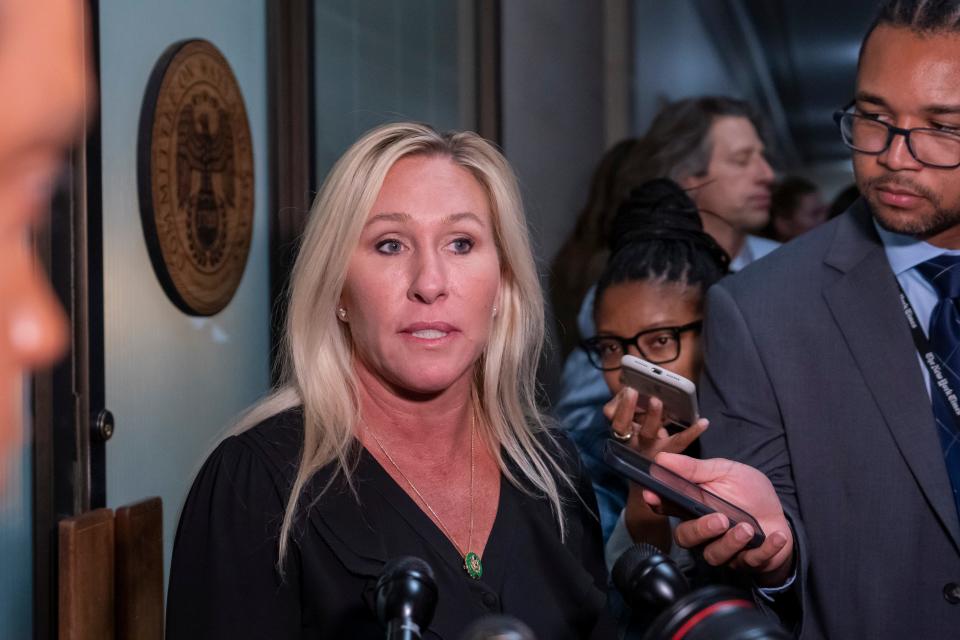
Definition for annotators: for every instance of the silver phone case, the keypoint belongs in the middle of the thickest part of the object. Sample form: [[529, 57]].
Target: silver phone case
[[679, 395]]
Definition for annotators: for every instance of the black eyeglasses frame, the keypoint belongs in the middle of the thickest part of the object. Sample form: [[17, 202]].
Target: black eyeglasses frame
[[892, 131], [625, 343]]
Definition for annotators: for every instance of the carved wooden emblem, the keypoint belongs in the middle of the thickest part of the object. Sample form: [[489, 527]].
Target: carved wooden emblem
[[195, 176]]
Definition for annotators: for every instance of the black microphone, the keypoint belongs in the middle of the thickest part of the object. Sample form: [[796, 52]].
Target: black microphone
[[406, 596], [647, 579], [498, 627], [664, 606]]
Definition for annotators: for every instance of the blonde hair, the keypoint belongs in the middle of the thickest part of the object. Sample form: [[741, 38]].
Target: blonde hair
[[318, 369]]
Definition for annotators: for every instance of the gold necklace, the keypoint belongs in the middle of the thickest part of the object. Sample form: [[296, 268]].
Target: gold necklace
[[471, 561]]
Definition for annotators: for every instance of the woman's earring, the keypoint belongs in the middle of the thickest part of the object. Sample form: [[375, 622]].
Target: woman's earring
[[342, 313], [494, 311]]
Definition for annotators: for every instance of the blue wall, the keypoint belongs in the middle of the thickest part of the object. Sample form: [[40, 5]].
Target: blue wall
[[174, 382], [379, 61], [674, 57]]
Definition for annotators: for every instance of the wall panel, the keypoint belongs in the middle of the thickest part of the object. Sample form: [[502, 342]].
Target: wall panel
[[379, 61], [174, 382]]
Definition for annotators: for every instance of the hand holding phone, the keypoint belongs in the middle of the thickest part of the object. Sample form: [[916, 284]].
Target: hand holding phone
[[691, 500], [678, 394], [664, 399], [647, 432], [772, 562]]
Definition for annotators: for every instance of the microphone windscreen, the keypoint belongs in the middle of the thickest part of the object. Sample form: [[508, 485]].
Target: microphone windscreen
[[498, 627], [627, 563], [406, 591], [406, 565], [648, 579]]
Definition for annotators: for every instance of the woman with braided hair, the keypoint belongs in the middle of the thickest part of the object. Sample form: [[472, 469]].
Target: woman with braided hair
[[648, 303]]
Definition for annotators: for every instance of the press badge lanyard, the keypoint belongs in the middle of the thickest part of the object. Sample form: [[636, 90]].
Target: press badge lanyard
[[929, 358]]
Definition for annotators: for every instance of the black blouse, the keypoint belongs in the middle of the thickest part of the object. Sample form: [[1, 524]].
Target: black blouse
[[224, 582]]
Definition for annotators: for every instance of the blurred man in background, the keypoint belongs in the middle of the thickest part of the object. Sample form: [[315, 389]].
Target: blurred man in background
[[712, 147], [797, 207]]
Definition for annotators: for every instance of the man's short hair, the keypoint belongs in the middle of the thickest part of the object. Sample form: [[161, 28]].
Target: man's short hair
[[921, 16], [677, 145]]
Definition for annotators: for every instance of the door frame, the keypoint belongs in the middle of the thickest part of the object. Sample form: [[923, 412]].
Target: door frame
[[68, 450], [69, 472]]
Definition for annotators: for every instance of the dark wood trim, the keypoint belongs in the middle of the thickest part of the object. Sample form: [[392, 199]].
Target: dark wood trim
[[58, 474], [292, 175], [92, 211], [69, 467], [55, 451], [488, 17], [45, 480]]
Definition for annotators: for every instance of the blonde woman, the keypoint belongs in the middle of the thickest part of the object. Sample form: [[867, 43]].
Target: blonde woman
[[407, 424]]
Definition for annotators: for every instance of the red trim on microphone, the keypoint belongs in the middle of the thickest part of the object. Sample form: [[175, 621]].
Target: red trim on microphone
[[706, 613]]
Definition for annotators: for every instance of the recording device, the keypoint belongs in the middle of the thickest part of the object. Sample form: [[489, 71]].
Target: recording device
[[663, 604], [406, 596], [691, 499], [679, 395], [498, 627]]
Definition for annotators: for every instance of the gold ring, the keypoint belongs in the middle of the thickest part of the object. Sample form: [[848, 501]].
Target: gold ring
[[622, 437]]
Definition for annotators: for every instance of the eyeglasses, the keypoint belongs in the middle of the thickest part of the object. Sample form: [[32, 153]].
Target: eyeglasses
[[866, 134], [658, 346]]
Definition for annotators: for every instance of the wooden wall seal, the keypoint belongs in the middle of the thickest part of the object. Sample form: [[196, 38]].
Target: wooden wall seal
[[195, 175]]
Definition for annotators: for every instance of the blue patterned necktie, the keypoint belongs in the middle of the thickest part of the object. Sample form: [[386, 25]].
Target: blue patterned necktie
[[943, 272]]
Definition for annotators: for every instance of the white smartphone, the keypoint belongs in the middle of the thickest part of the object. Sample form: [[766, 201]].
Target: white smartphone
[[678, 395]]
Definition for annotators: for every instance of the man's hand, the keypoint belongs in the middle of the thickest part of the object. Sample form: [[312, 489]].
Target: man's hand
[[649, 437], [750, 490]]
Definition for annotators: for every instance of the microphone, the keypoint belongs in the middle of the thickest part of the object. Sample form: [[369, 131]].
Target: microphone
[[406, 596], [647, 579], [498, 627], [664, 605]]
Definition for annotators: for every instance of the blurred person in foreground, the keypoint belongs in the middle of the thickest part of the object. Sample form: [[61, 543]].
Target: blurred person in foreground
[[406, 423], [44, 85], [834, 369]]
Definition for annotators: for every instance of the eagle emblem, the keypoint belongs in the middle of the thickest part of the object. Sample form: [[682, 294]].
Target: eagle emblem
[[205, 188], [196, 179]]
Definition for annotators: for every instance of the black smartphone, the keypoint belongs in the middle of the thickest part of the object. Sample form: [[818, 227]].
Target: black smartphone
[[690, 498]]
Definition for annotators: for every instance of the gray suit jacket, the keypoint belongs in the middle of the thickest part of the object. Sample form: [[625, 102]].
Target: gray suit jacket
[[811, 376]]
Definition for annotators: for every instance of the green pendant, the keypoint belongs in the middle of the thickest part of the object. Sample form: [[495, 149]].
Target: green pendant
[[471, 562]]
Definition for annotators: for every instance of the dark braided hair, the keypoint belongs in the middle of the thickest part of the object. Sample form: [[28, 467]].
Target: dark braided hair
[[657, 235], [922, 16]]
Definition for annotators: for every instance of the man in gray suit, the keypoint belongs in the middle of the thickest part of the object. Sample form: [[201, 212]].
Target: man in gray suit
[[814, 376]]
